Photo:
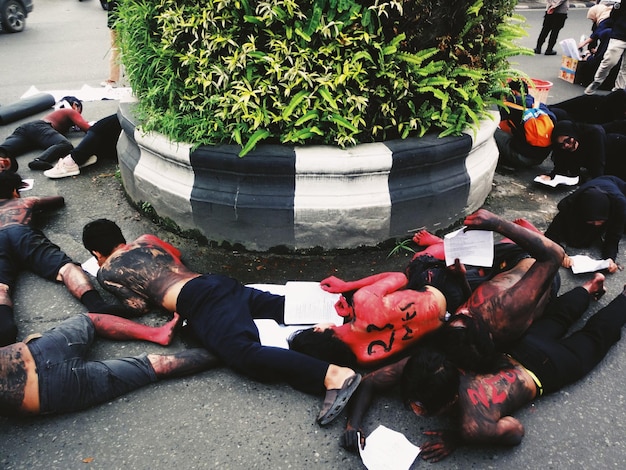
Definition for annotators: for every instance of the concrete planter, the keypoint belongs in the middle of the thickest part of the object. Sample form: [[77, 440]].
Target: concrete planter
[[306, 197]]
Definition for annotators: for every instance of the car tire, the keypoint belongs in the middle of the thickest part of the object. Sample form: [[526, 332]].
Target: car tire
[[13, 16]]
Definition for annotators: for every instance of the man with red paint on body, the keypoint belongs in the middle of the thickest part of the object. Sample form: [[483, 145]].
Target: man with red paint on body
[[388, 313], [541, 361], [49, 373], [383, 319], [149, 273]]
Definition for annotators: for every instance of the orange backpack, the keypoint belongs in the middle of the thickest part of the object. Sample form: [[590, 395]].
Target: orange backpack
[[535, 123]]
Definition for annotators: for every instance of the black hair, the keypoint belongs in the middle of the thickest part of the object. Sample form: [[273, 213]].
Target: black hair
[[429, 378], [102, 235], [471, 347], [426, 270], [323, 345], [9, 182], [71, 100]]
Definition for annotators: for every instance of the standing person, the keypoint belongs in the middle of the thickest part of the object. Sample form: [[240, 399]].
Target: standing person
[[614, 52], [24, 247], [47, 133], [48, 373], [99, 143], [114, 60], [219, 310], [596, 211], [553, 22]]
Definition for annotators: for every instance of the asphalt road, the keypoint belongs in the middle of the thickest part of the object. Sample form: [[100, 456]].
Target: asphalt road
[[218, 419]]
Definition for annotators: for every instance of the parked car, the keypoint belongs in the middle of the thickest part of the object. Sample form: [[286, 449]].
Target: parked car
[[13, 14]]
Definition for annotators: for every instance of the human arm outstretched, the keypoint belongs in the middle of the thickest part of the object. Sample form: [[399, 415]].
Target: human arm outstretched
[[48, 203], [375, 382], [538, 246], [393, 281]]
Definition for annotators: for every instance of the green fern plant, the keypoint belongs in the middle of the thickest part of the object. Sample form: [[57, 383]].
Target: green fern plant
[[337, 72]]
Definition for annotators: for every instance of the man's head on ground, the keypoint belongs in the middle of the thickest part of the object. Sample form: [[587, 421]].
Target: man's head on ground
[[429, 383], [71, 102], [428, 271], [565, 136], [10, 184], [323, 344], [7, 163], [593, 206], [101, 236], [468, 343]]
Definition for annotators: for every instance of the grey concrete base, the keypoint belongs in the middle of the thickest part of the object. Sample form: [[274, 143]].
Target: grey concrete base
[[306, 197]]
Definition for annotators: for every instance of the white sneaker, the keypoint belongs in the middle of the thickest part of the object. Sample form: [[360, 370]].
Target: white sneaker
[[90, 161], [61, 170]]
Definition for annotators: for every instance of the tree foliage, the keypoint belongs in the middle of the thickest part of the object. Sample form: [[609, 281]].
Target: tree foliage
[[336, 72]]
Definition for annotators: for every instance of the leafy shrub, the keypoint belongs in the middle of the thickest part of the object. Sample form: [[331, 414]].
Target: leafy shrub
[[336, 72]]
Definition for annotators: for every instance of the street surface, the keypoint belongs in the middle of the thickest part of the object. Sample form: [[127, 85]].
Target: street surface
[[218, 419]]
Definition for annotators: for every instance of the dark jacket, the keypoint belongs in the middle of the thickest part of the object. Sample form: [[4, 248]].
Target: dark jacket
[[590, 153], [569, 225]]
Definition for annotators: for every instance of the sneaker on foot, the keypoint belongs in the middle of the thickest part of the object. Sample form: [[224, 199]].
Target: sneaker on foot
[[38, 164], [550, 52], [90, 161], [61, 170], [110, 83], [537, 50], [591, 88]]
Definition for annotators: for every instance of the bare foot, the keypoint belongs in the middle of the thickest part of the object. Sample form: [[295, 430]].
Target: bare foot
[[163, 335], [425, 238], [336, 376], [595, 286]]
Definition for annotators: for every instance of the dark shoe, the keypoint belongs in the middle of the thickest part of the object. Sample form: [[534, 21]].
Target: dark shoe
[[550, 52], [537, 50], [336, 399], [38, 164]]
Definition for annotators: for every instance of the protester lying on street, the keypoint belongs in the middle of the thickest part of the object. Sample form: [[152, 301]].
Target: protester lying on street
[[517, 146], [219, 311], [578, 146], [592, 109], [541, 361], [49, 372], [100, 143], [24, 247], [595, 212], [47, 133], [383, 318], [508, 302]]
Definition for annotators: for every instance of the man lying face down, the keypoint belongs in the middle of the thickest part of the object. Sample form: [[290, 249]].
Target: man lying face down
[[507, 298], [49, 373], [148, 273]]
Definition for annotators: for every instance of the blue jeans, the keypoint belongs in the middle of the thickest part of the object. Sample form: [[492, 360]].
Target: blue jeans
[[67, 382]]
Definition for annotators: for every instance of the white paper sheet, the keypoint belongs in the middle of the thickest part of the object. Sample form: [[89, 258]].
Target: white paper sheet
[[557, 180], [273, 334], [305, 302], [585, 264], [91, 266], [386, 449], [474, 247]]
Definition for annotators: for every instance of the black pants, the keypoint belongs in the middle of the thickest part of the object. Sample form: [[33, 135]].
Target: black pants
[[552, 24], [557, 360]]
